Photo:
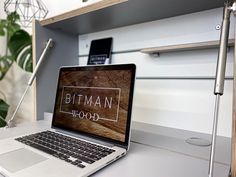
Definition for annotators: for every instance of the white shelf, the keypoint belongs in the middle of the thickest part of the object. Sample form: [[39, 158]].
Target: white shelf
[[185, 47], [109, 14]]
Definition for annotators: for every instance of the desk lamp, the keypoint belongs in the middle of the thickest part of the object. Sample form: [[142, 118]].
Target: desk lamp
[[220, 74]]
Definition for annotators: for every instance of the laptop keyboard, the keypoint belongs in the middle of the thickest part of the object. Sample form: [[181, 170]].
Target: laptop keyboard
[[69, 149]]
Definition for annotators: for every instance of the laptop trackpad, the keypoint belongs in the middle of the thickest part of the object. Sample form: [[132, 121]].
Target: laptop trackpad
[[19, 159]]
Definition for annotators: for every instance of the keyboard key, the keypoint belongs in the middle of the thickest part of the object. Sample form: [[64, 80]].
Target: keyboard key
[[84, 159], [78, 161], [80, 165], [44, 149]]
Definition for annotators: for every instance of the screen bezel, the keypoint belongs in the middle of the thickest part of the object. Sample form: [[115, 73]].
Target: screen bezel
[[130, 67]]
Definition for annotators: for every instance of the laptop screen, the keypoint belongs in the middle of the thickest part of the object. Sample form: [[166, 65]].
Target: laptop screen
[[96, 101]]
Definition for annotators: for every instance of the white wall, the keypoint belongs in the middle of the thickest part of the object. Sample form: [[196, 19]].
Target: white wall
[[178, 103]]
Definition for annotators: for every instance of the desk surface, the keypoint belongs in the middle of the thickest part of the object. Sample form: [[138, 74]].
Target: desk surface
[[142, 160]]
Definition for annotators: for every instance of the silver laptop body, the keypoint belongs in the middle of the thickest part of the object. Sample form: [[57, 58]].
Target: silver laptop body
[[93, 107]]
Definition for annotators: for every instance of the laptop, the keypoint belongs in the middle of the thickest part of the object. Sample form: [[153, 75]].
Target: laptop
[[90, 126]]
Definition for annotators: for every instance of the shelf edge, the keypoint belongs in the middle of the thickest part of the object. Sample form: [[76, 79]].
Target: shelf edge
[[80, 11], [185, 47]]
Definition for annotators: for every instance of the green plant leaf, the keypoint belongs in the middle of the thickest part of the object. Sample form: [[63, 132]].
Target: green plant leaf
[[24, 59], [12, 29], [13, 17], [9, 26], [2, 32], [3, 112], [5, 64], [3, 23], [20, 46], [2, 27]]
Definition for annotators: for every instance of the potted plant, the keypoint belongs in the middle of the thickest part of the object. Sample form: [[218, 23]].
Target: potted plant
[[18, 49]]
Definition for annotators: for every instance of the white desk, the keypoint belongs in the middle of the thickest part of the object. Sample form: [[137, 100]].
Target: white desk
[[142, 160]]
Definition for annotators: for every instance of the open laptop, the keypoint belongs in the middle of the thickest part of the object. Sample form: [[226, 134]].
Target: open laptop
[[90, 126]]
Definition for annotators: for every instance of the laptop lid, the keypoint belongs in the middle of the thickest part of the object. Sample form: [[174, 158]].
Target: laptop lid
[[96, 101]]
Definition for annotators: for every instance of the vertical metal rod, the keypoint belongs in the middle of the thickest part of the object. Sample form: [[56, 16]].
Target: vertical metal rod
[[9, 123], [42, 56], [232, 171], [214, 133], [222, 54], [220, 77]]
